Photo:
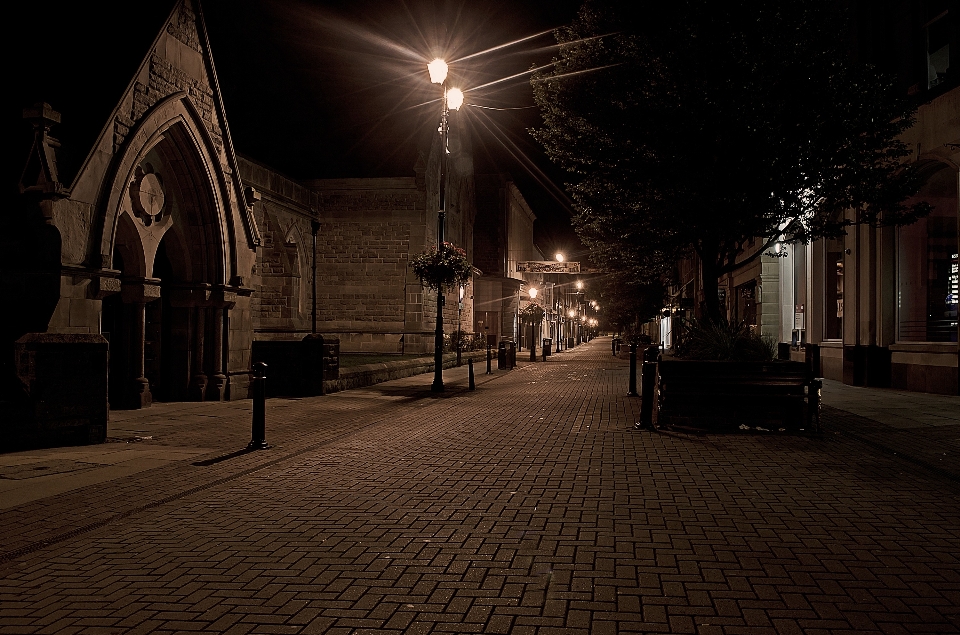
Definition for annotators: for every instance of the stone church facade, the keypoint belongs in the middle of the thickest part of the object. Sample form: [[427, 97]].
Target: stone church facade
[[151, 271]]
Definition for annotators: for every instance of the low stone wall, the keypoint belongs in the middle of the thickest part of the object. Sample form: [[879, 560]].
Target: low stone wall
[[62, 392], [293, 366], [370, 374]]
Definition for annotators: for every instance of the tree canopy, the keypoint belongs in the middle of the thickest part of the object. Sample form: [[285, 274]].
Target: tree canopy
[[696, 126], [628, 302]]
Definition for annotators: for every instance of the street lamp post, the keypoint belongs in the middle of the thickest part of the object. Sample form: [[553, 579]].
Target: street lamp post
[[460, 326], [581, 311], [452, 98], [533, 334]]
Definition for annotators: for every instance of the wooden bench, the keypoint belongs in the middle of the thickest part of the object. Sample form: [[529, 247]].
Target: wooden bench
[[725, 395]]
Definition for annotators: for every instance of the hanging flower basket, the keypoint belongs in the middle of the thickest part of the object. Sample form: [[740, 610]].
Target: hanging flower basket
[[439, 268], [531, 314]]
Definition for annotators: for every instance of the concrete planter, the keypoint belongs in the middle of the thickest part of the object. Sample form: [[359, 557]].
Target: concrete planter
[[726, 395]]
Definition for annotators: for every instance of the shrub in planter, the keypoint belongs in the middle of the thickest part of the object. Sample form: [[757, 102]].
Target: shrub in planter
[[703, 339], [724, 377]]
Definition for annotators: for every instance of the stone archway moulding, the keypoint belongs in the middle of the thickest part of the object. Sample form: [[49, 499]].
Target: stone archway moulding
[[172, 111]]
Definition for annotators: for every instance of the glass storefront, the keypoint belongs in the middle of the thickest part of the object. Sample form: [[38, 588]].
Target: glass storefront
[[927, 267], [833, 290]]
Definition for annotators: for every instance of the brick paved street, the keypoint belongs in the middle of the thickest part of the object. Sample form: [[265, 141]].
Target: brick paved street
[[527, 506]]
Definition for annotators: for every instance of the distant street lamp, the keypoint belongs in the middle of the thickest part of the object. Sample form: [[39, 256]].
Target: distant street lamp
[[532, 293], [452, 99], [460, 326]]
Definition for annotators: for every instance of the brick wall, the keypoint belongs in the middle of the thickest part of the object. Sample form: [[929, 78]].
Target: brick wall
[[362, 270]]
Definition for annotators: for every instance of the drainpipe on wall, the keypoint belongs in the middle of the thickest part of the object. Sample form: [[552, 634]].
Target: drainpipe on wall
[[314, 227]]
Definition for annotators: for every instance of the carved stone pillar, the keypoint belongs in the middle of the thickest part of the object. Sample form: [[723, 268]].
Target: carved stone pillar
[[222, 301], [137, 294], [218, 383], [198, 382]]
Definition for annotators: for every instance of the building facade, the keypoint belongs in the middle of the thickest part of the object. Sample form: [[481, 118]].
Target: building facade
[[153, 239], [503, 237], [151, 270], [880, 302]]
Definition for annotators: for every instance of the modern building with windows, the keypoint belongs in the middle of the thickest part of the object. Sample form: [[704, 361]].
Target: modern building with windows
[[881, 303]]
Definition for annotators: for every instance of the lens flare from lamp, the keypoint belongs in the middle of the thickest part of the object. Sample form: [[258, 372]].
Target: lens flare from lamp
[[454, 98], [572, 313], [438, 71], [532, 293], [559, 257]]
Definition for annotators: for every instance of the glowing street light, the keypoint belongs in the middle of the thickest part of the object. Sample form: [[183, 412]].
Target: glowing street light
[[532, 293], [438, 71], [559, 257], [452, 100]]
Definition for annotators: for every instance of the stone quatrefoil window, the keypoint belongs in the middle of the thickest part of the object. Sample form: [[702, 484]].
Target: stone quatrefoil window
[[146, 195]]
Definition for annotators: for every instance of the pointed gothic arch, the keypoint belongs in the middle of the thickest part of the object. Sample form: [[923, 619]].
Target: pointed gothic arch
[[175, 130], [168, 214]]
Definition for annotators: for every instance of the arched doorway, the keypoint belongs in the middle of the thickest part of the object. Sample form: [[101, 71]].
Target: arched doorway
[[167, 337]]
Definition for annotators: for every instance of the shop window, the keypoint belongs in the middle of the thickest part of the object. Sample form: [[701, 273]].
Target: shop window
[[747, 304], [928, 267], [488, 324], [833, 287], [799, 294]]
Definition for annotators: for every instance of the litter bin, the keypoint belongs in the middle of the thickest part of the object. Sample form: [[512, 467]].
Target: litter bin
[[502, 356], [548, 346]]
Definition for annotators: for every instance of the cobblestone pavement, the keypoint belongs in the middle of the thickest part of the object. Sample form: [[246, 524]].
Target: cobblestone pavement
[[527, 506]]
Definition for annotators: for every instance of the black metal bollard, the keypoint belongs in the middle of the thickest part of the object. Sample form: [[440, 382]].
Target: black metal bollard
[[258, 387], [489, 359], [473, 384], [632, 391], [783, 350], [533, 351], [813, 404], [648, 388], [812, 355]]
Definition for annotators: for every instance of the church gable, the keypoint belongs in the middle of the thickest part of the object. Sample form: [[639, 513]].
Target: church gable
[[175, 85], [176, 64]]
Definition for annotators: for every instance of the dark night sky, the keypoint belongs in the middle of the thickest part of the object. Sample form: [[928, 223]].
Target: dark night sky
[[340, 89]]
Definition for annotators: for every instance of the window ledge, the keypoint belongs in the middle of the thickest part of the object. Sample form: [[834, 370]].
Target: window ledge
[[925, 347]]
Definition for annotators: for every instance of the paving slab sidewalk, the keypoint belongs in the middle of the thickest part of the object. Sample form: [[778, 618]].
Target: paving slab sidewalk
[[530, 505]]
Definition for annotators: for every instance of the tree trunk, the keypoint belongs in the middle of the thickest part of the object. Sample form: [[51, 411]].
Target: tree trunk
[[709, 273]]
